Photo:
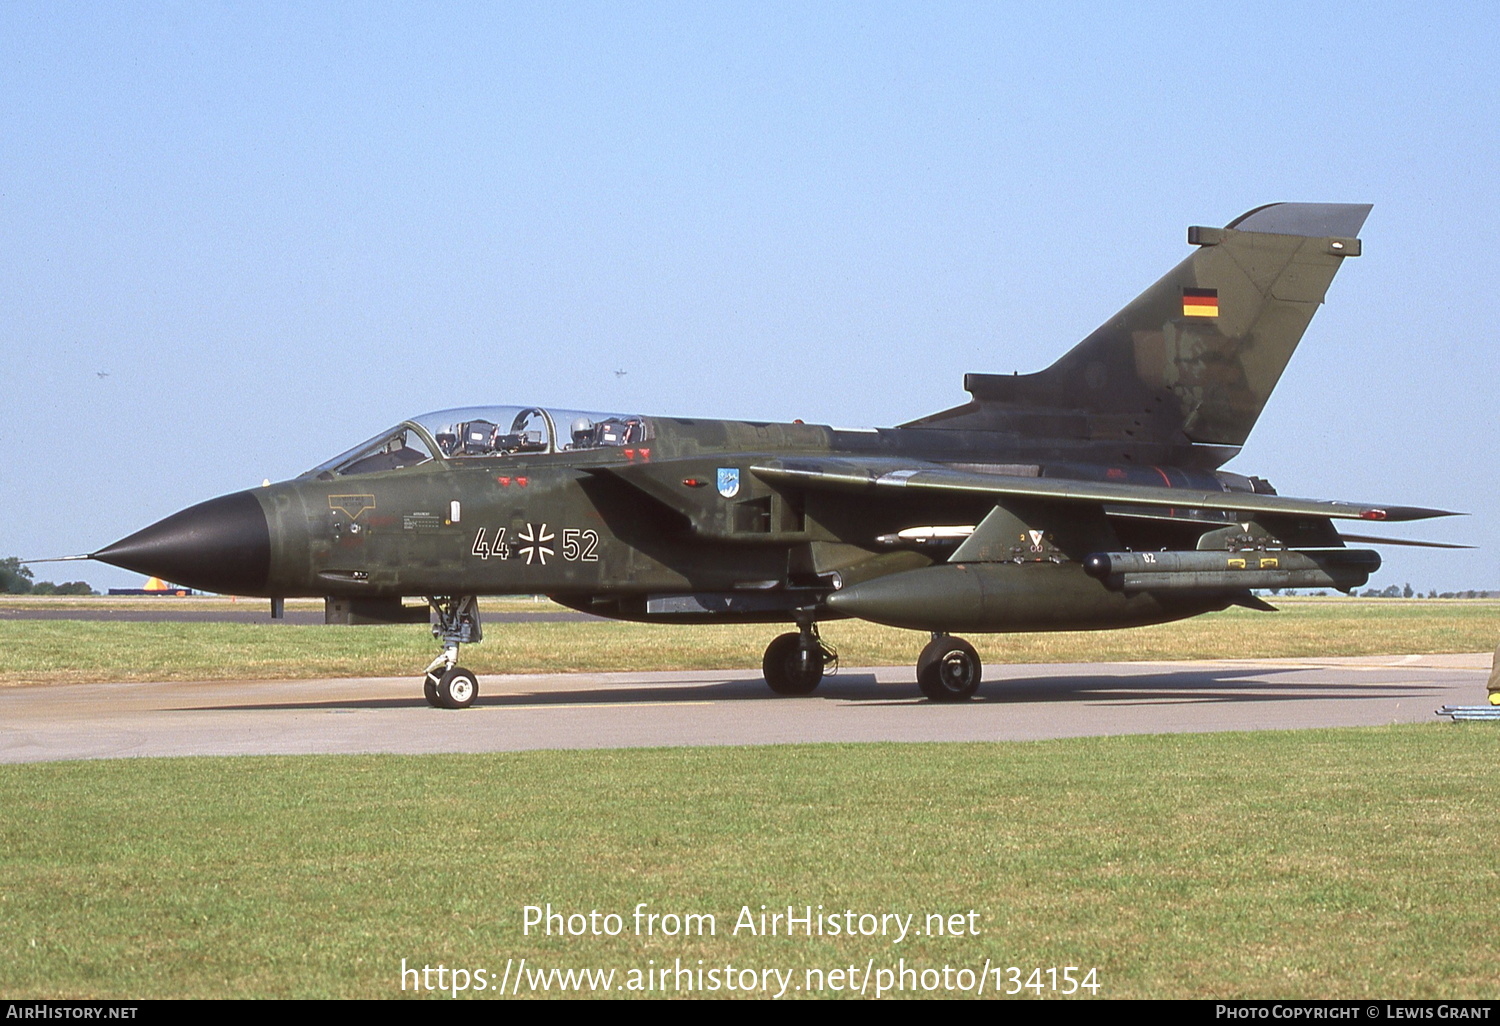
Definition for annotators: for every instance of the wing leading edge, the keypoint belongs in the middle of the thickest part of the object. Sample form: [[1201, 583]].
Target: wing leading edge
[[879, 475]]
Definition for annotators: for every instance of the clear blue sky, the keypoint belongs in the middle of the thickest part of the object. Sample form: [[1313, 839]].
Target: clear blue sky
[[240, 238]]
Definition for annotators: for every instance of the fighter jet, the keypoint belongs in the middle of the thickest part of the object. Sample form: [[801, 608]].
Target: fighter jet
[[1087, 496]]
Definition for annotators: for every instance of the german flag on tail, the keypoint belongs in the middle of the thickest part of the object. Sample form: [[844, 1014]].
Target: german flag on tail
[[1200, 302]]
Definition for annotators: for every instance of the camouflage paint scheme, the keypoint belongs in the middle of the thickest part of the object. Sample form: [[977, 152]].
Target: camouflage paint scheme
[[1013, 504]]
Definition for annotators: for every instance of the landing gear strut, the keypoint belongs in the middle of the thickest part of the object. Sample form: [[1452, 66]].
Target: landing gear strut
[[949, 670], [455, 621], [794, 663]]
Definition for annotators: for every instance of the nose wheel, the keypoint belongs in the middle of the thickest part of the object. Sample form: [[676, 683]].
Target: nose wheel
[[455, 621], [949, 670], [453, 688]]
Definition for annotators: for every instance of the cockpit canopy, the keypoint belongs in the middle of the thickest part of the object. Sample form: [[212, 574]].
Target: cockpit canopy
[[485, 432]]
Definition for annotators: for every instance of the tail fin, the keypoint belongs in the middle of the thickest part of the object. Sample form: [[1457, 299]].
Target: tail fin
[[1195, 357]]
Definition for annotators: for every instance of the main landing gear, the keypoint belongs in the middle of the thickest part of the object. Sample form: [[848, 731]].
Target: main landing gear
[[794, 663], [949, 670], [455, 621]]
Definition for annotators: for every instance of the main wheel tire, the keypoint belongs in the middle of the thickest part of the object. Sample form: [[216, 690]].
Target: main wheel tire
[[430, 690], [949, 670], [789, 668], [457, 688]]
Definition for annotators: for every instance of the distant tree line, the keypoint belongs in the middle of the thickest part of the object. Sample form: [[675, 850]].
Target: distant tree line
[[1397, 591], [16, 579], [1406, 591]]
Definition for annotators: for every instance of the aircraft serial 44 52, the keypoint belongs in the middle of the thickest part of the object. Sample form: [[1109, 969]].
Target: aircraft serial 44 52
[[1084, 496]]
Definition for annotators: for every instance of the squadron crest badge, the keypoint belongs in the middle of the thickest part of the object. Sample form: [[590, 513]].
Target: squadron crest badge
[[729, 482]]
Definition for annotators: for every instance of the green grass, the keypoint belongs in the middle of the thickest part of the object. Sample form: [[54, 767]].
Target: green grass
[[1354, 863], [67, 651]]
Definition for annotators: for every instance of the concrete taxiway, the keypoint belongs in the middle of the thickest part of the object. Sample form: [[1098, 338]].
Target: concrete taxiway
[[161, 612], [618, 710]]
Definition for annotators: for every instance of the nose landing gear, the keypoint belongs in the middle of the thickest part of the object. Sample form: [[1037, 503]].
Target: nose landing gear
[[455, 621]]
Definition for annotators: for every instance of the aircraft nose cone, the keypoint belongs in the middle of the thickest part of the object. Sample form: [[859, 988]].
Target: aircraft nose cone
[[221, 545]]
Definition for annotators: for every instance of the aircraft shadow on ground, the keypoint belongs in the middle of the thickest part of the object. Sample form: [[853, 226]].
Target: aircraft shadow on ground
[[862, 689]]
